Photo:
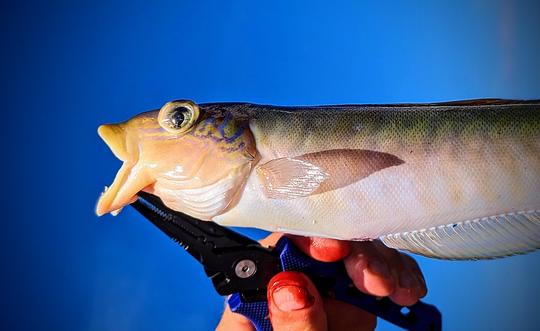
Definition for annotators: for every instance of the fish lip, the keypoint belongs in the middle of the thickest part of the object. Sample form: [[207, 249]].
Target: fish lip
[[129, 181], [104, 203]]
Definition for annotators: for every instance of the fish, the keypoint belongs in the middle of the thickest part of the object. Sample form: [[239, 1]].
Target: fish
[[452, 180]]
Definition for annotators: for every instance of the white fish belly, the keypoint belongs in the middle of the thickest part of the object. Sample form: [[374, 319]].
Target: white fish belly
[[421, 193]]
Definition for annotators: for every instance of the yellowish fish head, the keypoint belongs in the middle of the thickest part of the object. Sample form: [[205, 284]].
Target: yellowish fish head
[[196, 162]]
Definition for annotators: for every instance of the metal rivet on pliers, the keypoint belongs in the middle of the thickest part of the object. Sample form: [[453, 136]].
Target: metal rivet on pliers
[[245, 268]]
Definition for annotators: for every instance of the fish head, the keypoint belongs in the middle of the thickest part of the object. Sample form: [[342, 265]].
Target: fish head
[[197, 162]]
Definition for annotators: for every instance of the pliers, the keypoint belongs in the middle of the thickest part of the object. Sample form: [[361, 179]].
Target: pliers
[[240, 267]]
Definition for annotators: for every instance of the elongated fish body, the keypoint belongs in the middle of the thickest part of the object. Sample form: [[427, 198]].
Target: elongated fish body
[[451, 180], [460, 163]]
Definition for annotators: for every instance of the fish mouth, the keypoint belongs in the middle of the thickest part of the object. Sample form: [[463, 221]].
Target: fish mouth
[[130, 179]]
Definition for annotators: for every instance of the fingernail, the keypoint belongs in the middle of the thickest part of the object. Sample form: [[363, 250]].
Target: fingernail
[[406, 280], [421, 280], [380, 268], [421, 290], [290, 298]]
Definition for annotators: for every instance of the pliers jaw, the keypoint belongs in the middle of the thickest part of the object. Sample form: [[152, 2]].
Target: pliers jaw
[[233, 262]]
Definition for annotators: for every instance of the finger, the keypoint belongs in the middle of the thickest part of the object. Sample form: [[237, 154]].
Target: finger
[[234, 321], [369, 270], [231, 321], [322, 249], [415, 269], [410, 282], [411, 285], [294, 303], [271, 240], [342, 316]]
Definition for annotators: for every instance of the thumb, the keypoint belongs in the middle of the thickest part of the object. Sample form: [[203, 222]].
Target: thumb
[[295, 304]]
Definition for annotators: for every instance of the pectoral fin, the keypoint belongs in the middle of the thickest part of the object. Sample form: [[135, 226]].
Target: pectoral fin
[[315, 173]]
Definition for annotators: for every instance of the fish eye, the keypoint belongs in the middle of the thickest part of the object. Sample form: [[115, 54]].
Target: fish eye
[[178, 116]]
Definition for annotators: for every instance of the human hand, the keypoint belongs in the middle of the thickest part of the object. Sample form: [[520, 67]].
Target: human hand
[[295, 304]]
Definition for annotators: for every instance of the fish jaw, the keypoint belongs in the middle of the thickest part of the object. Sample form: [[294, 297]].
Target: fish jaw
[[130, 179]]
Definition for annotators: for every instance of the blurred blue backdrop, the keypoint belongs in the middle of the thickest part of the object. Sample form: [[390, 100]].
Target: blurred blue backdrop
[[67, 67]]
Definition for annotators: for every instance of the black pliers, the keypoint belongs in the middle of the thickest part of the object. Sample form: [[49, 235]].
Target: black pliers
[[241, 267]]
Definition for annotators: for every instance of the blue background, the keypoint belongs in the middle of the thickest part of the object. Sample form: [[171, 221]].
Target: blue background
[[67, 67]]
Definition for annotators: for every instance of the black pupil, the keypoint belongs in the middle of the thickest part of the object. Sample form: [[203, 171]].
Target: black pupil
[[178, 116]]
